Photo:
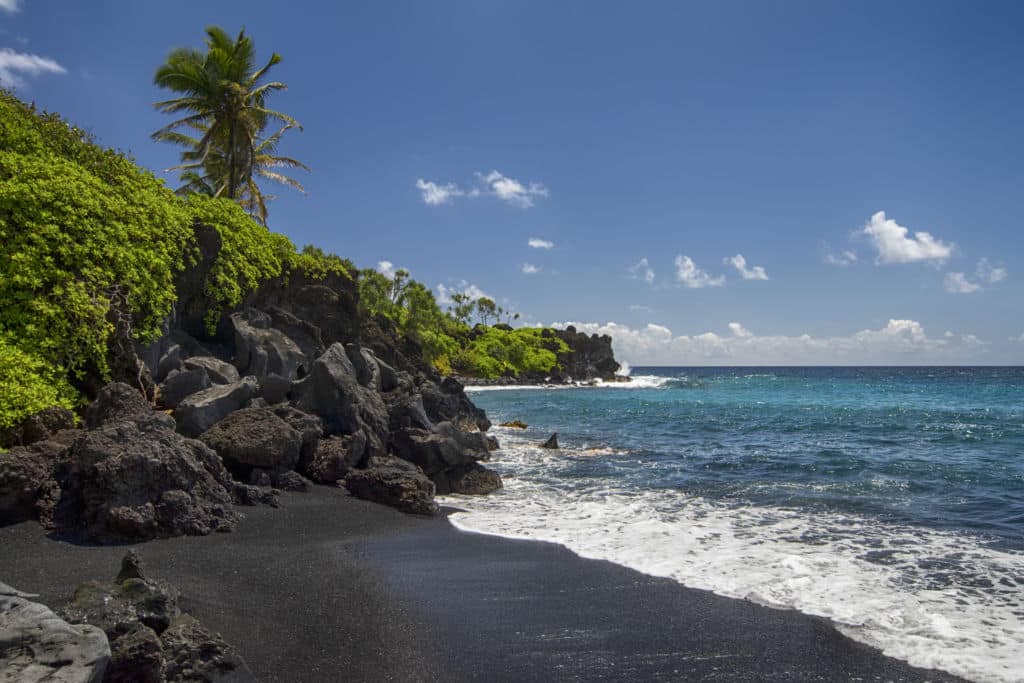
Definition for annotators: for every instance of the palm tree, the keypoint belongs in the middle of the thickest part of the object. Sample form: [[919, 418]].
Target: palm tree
[[224, 96]]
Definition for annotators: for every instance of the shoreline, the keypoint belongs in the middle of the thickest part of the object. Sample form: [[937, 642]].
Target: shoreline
[[330, 586]]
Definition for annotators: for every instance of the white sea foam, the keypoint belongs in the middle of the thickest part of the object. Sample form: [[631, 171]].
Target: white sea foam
[[932, 598], [638, 382]]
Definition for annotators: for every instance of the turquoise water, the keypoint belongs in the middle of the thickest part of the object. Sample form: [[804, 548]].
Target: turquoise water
[[888, 499]]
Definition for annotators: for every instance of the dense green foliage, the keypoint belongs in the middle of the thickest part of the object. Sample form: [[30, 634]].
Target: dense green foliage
[[224, 96], [90, 242], [28, 385], [448, 342], [83, 233], [494, 352]]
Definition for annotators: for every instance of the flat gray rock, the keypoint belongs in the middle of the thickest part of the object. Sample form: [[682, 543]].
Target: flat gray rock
[[38, 646]]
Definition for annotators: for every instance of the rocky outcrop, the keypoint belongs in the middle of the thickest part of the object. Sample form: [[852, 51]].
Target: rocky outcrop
[[551, 443], [394, 482], [37, 646], [202, 410], [447, 402], [180, 384], [333, 391], [37, 427], [219, 372], [262, 350], [472, 479], [27, 487], [151, 640], [336, 456], [254, 437], [589, 357], [133, 480], [114, 403]]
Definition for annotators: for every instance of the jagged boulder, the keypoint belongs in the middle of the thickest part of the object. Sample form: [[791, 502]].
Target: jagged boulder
[[444, 448], [194, 653], [140, 480], [151, 640], [254, 437], [336, 456], [200, 411], [171, 360], [332, 391], [589, 357], [220, 372], [37, 646], [116, 402], [261, 349], [471, 479], [37, 427], [395, 482], [447, 402], [551, 443], [309, 428], [28, 489], [407, 410], [181, 384]]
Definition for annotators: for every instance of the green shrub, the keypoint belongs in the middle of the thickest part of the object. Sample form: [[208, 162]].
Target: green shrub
[[82, 230], [28, 384], [249, 253], [315, 263]]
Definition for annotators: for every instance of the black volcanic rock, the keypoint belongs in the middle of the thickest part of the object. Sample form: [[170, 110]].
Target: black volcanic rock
[[552, 442], [395, 482]]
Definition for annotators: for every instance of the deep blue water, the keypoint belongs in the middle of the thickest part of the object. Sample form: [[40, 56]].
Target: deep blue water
[[938, 447]]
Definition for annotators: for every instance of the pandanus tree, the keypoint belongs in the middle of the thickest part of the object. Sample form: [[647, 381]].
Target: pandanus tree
[[223, 120]]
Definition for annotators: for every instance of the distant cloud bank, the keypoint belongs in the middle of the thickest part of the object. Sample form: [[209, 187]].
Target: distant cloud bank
[[898, 342]]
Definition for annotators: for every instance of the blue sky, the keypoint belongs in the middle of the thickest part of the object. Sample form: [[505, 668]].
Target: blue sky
[[635, 138]]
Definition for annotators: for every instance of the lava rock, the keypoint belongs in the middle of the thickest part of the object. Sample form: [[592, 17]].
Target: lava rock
[[475, 480], [261, 349], [395, 482], [131, 481], [181, 384], [552, 442], [514, 424], [193, 653], [200, 411], [447, 402], [337, 455], [37, 427], [27, 486], [254, 437], [332, 391], [220, 372], [116, 402]]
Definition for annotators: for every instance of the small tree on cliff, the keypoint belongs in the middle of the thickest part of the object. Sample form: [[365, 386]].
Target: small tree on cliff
[[224, 96]]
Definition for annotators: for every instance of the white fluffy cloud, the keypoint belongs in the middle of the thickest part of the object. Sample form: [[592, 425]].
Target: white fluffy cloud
[[434, 194], [689, 275], [530, 269], [894, 243], [444, 293], [9, 5], [642, 270], [16, 66], [538, 243], [493, 184], [843, 258], [898, 342], [511, 190], [740, 264]]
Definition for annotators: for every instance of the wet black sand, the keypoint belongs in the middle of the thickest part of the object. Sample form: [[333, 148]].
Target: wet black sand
[[329, 588]]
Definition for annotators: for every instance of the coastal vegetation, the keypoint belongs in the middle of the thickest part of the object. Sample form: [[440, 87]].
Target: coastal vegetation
[[91, 244]]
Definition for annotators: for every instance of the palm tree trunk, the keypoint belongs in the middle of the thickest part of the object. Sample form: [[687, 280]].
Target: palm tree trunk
[[231, 161]]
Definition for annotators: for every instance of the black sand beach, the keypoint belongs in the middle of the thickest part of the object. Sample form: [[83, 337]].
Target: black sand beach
[[329, 588]]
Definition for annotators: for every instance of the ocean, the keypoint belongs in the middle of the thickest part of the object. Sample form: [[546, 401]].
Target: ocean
[[889, 500]]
